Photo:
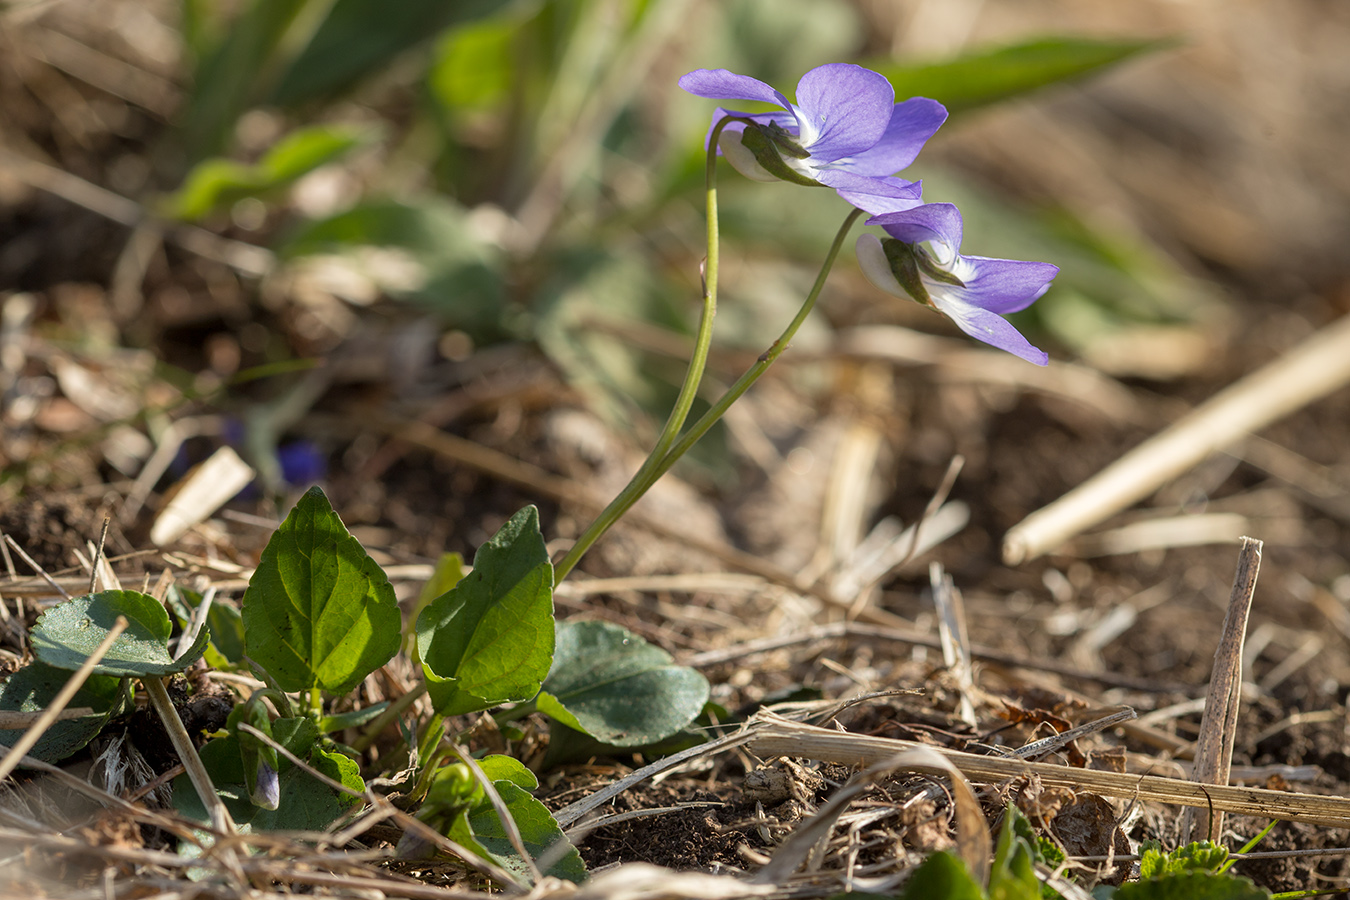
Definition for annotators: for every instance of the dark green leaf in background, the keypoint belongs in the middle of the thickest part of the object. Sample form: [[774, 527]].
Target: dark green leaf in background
[[451, 269], [987, 76], [32, 689], [358, 37], [490, 639], [66, 635], [319, 612], [229, 79], [616, 687]]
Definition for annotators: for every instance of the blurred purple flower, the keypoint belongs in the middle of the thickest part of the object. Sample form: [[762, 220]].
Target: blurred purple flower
[[844, 132], [973, 291]]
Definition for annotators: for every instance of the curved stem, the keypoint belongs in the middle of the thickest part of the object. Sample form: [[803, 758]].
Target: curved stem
[[650, 470], [766, 359]]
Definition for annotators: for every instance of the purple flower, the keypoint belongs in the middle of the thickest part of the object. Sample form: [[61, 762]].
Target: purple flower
[[973, 291], [846, 131]]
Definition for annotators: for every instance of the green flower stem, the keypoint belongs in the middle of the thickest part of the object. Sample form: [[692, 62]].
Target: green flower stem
[[766, 359], [650, 470]]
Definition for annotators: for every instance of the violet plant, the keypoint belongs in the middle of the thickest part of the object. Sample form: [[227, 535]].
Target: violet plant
[[844, 132]]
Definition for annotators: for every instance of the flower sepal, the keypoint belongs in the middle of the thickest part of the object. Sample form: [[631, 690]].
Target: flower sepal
[[757, 152]]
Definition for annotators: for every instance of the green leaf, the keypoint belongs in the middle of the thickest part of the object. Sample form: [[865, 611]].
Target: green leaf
[[1192, 885], [1013, 874], [66, 635], [489, 640], [942, 877], [319, 612], [987, 76], [361, 36], [449, 572], [538, 831], [32, 689], [306, 804], [498, 767], [616, 687], [216, 183]]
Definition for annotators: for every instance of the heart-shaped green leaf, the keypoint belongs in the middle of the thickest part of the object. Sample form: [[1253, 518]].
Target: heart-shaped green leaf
[[616, 687], [489, 639], [319, 612], [66, 635], [33, 687]]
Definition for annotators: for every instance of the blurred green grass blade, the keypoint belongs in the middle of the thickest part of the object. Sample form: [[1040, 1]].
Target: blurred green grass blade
[[216, 183], [227, 80], [987, 76], [360, 36]]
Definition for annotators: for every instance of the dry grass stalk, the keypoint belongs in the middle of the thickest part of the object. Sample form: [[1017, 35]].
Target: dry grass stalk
[[955, 642], [1218, 725], [1303, 374], [777, 736]]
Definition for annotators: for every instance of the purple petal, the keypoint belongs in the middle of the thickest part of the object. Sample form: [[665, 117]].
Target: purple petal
[[912, 123], [1004, 286], [722, 84], [987, 326], [880, 204], [939, 222], [893, 188], [844, 109]]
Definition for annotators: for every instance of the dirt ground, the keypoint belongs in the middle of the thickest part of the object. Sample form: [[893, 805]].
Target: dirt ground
[[828, 446]]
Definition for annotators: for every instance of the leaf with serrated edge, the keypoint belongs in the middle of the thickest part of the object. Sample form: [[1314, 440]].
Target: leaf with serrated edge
[[66, 635], [489, 640], [319, 612], [616, 687]]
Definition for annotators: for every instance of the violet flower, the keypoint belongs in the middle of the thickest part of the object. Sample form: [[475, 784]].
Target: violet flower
[[846, 131], [973, 291]]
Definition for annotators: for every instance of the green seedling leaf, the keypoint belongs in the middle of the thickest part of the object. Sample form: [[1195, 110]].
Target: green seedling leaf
[[319, 612], [988, 76], [538, 830], [66, 635], [32, 689], [489, 640], [1197, 856], [216, 183], [942, 877], [1191, 885], [616, 687]]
